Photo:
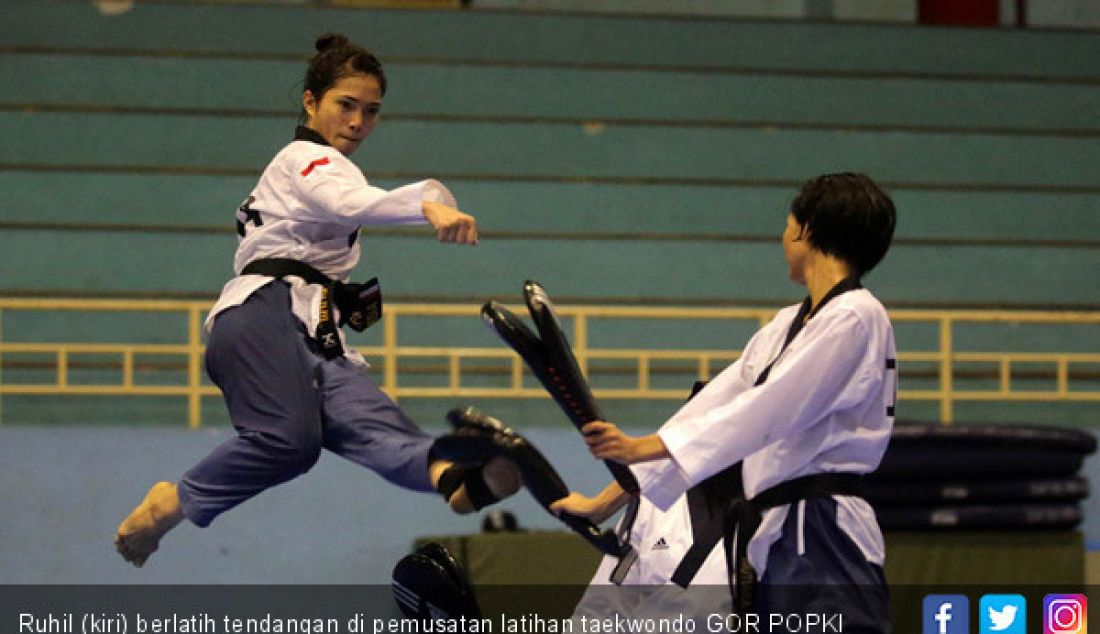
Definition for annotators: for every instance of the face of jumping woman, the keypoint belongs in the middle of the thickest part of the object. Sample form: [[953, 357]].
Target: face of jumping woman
[[346, 113]]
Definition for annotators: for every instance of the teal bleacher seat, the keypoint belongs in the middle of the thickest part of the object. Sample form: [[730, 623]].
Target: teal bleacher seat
[[615, 159], [558, 39], [231, 84], [562, 151]]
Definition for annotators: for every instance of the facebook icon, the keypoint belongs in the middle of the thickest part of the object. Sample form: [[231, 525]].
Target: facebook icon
[[946, 614]]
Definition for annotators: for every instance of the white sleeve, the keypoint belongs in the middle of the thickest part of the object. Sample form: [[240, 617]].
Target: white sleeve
[[819, 376], [335, 191]]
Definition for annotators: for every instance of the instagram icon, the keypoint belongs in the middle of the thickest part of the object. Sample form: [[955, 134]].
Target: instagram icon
[[1065, 614]]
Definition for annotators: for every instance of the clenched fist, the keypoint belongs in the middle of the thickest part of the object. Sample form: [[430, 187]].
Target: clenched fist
[[451, 225]]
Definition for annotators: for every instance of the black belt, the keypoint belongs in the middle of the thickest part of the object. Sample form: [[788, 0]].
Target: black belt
[[709, 505], [629, 556], [360, 304], [743, 517]]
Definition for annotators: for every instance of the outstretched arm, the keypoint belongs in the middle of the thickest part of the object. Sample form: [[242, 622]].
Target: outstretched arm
[[451, 225], [595, 509]]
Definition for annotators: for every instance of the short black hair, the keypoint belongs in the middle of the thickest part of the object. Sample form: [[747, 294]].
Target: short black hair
[[847, 216]]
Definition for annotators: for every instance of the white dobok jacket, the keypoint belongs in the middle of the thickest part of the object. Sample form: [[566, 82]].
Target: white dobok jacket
[[827, 406], [308, 205]]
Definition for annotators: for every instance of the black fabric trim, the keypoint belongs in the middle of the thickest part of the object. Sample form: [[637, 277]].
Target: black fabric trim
[[805, 314], [302, 133], [843, 286], [327, 334], [450, 480], [477, 489], [709, 505], [281, 267], [745, 517]]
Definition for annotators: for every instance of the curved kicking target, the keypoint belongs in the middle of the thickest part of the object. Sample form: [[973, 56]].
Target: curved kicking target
[[561, 365], [576, 395], [476, 438], [431, 584], [551, 360], [479, 437], [516, 334]]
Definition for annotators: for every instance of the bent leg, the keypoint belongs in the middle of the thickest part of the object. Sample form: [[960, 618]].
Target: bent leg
[[257, 355]]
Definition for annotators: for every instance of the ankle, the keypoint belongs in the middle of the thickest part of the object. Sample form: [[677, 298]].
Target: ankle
[[164, 505]]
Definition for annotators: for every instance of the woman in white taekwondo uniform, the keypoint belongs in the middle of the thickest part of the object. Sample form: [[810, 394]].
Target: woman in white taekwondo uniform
[[789, 427], [274, 346]]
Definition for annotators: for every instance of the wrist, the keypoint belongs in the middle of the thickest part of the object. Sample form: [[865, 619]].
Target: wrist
[[649, 447], [427, 208]]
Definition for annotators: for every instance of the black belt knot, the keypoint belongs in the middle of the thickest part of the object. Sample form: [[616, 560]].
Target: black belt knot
[[719, 511], [747, 515], [360, 305]]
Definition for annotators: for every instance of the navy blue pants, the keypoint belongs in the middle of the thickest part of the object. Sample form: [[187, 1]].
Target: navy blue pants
[[831, 575], [286, 402]]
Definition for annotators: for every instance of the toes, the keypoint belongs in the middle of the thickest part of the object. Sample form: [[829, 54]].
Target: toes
[[135, 551]]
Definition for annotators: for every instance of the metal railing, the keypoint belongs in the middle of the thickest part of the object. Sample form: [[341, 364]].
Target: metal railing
[[945, 358]]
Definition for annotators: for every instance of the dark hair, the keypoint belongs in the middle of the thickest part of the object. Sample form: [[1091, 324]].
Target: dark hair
[[337, 58], [848, 216]]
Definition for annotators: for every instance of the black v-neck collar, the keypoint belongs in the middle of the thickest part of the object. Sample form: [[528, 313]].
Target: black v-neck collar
[[805, 314], [302, 133], [843, 286]]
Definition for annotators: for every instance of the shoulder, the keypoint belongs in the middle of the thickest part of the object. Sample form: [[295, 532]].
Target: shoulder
[[783, 317], [773, 331], [787, 313], [861, 314], [863, 305], [779, 323], [305, 158]]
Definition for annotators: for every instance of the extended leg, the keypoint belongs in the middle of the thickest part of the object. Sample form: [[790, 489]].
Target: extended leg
[[365, 426], [258, 357]]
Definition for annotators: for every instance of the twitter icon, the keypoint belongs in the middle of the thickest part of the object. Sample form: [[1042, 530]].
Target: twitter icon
[[1002, 614]]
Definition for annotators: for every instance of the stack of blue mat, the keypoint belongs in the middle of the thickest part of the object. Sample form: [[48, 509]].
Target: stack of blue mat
[[961, 476]]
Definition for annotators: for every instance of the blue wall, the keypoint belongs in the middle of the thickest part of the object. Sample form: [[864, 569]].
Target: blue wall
[[65, 490]]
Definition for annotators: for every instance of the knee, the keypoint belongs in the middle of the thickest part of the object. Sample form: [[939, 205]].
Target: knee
[[295, 453], [305, 453], [307, 456]]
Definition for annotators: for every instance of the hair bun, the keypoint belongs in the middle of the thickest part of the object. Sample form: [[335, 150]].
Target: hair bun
[[330, 40]]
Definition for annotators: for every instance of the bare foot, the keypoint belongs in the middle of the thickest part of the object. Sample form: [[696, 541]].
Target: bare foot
[[140, 533]]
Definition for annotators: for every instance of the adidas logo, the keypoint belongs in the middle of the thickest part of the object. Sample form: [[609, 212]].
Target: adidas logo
[[660, 545]]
